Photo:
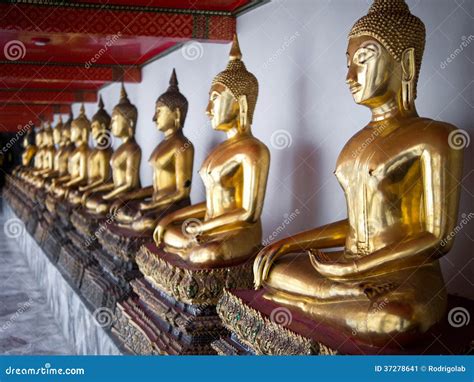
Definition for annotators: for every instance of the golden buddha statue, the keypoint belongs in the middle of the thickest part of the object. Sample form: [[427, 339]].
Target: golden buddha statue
[[98, 161], [402, 193], [172, 161], [62, 139], [28, 155], [125, 161], [47, 152], [77, 161], [235, 177], [27, 173]]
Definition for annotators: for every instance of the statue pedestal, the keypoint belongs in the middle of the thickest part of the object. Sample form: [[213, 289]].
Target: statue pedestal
[[173, 309], [259, 326]]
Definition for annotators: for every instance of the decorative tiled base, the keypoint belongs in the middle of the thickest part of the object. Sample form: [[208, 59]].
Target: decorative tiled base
[[152, 322], [256, 329], [72, 263]]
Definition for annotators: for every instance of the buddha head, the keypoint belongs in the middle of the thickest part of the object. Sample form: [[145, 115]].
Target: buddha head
[[66, 131], [384, 55], [233, 94], [124, 117], [58, 132], [39, 137], [101, 125], [30, 138], [80, 128], [171, 107]]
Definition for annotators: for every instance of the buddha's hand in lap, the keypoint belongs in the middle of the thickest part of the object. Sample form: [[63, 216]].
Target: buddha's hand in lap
[[331, 268], [264, 261]]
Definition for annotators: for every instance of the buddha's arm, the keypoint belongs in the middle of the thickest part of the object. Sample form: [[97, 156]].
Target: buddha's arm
[[131, 172], [418, 249], [82, 177], [196, 211], [142, 193], [328, 236]]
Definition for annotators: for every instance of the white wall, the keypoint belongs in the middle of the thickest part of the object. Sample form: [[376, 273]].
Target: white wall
[[297, 49]]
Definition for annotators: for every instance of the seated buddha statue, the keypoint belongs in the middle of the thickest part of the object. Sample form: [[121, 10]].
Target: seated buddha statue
[[61, 138], [27, 173], [98, 161], [48, 152], [28, 155], [402, 194], [227, 226], [77, 161], [172, 163], [125, 161]]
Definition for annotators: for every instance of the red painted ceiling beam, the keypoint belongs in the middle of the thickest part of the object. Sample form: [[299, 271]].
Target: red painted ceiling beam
[[66, 74], [104, 20], [46, 97], [12, 109]]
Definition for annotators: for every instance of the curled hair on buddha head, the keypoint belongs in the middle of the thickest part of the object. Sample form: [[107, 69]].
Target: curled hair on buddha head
[[174, 99], [126, 108], [392, 24], [82, 121], [239, 80], [101, 116]]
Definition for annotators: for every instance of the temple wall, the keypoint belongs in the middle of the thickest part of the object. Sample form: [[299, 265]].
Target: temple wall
[[305, 112]]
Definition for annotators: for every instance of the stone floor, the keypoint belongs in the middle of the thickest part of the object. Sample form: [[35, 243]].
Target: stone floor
[[26, 324]]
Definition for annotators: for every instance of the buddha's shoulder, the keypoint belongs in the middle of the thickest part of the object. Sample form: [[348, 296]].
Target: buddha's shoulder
[[253, 146], [429, 131]]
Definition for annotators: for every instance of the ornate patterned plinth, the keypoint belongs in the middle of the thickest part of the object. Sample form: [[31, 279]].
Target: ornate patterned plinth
[[191, 284], [73, 261], [259, 326], [152, 322], [86, 224], [173, 308]]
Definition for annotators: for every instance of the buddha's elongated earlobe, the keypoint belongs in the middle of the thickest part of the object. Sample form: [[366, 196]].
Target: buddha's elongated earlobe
[[408, 78], [177, 120], [243, 112]]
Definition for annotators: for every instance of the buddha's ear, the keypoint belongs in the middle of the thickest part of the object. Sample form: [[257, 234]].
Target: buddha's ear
[[177, 119], [243, 114], [408, 78]]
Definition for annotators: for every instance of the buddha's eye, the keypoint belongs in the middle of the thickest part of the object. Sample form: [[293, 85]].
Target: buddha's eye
[[363, 55]]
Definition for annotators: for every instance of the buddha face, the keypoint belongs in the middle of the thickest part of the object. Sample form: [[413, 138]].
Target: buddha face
[[223, 108], [374, 76], [97, 129], [164, 117], [57, 136], [48, 138], [75, 132], [120, 125]]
